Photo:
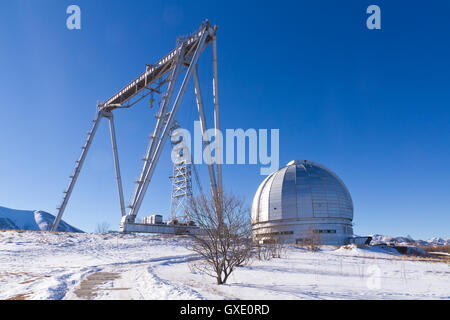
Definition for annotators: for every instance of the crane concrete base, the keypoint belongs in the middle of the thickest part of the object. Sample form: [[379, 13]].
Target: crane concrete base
[[127, 226]]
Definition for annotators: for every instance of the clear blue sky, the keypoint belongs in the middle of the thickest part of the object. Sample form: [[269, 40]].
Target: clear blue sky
[[372, 105]]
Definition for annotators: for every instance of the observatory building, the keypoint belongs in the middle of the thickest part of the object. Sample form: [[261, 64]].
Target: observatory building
[[303, 202]]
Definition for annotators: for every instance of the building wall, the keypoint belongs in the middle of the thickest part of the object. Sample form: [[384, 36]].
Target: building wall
[[298, 232]]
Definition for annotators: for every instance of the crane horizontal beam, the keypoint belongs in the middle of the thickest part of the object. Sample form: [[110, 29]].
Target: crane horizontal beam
[[157, 71]]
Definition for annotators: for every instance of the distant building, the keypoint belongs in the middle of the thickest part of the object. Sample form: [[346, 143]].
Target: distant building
[[303, 202]]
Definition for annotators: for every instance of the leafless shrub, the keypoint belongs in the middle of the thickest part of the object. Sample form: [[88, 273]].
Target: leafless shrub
[[225, 238], [102, 228], [275, 248], [312, 240], [271, 248], [263, 251]]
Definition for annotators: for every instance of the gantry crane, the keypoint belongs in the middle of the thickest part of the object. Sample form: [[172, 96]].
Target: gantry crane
[[182, 60]]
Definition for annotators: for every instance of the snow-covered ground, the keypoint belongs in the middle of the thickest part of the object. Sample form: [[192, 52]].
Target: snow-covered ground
[[41, 265]]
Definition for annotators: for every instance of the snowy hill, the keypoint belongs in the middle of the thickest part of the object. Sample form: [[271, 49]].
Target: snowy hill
[[378, 239], [30, 220], [439, 241]]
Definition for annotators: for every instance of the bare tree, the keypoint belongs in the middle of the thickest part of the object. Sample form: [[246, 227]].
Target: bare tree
[[224, 241], [272, 247], [313, 240], [102, 227], [276, 248]]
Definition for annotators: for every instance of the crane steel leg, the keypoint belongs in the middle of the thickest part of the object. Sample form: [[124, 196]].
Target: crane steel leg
[[74, 177], [201, 111], [112, 131], [170, 119], [158, 128], [216, 118]]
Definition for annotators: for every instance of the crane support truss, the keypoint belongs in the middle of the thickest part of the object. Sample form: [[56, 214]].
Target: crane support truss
[[181, 180], [183, 59], [181, 191]]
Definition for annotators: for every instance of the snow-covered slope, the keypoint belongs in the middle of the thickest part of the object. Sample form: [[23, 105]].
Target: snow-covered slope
[[30, 220], [43, 265], [439, 241], [378, 239]]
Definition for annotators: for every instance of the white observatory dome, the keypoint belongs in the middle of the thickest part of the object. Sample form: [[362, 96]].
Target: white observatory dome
[[301, 202]]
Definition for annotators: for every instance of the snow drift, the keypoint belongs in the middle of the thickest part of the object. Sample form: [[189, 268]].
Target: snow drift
[[30, 220]]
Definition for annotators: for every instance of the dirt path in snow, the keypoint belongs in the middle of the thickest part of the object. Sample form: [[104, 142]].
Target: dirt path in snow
[[90, 286]]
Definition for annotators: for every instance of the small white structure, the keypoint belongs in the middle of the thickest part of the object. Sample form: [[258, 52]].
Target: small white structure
[[153, 219], [302, 202]]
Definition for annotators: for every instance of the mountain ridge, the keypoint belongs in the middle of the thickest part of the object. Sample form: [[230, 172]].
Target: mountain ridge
[[379, 239], [34, 220]]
